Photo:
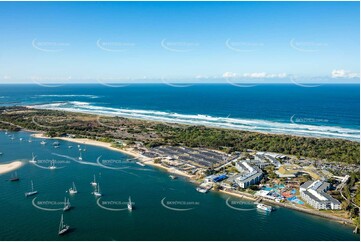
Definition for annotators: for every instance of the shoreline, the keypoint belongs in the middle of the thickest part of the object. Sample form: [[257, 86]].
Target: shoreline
[[109, 146], [207, 126], [148, 161], [12, 166]]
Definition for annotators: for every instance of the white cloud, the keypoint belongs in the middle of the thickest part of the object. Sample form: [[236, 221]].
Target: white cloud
[[229, 75], [343, 74], [254, 75]]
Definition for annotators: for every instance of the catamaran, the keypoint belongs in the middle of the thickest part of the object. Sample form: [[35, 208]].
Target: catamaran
[[63, 228], [94, 183], [73, 190], [67, 205], [14, 177], [28, 194], [130, 206], [97, 191]]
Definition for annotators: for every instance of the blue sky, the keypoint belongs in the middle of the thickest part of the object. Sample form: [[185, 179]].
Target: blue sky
[[184, 41]]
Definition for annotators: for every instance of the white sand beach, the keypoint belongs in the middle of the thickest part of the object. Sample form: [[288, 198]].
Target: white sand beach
[[5, 168], [128, 151]]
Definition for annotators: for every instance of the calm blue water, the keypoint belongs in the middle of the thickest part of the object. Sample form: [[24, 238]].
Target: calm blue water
[[323, 111], [209, 217]]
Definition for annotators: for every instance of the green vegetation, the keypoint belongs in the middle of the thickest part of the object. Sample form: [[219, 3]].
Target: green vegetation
[[151, 134]]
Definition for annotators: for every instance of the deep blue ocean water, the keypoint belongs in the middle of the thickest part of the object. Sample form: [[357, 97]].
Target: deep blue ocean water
[[321, 111]]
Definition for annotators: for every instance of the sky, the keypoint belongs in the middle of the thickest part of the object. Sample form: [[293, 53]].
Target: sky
[[179, 41]]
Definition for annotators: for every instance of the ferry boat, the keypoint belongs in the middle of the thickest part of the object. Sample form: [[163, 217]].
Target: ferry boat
[[130, 206], [28, 194], [264, 207], [67, 205], [73, 190], [63, 228]]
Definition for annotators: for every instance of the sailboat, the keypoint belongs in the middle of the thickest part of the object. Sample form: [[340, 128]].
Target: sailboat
[[63, 228], [52, 165], [33, 158], [28, 194], [130, 206], [67, 205], [80, 157], [14, 177], [97, 191], [73, 190], [94, 183]]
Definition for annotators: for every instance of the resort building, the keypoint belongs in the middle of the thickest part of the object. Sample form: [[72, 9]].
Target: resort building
[[249, 175], [288, 171], [314, 193]]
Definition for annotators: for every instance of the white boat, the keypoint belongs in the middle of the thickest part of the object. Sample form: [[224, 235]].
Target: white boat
[[6, 132], [97, 191], [67, 205], [56, 144], [30, 140], [12, 137], [33, 158], [173, 177], [52, 165], [28, 194], [70, 146], [1, 153], [63, 228], [80, 157], [43, 142], [139, 163], [73, 190], [94, 183], [21, 139], [264, 207], [202, 190], [130, 206]]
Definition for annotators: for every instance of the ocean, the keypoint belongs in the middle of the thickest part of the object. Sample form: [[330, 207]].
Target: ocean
[[331, 111], [164, 209]]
